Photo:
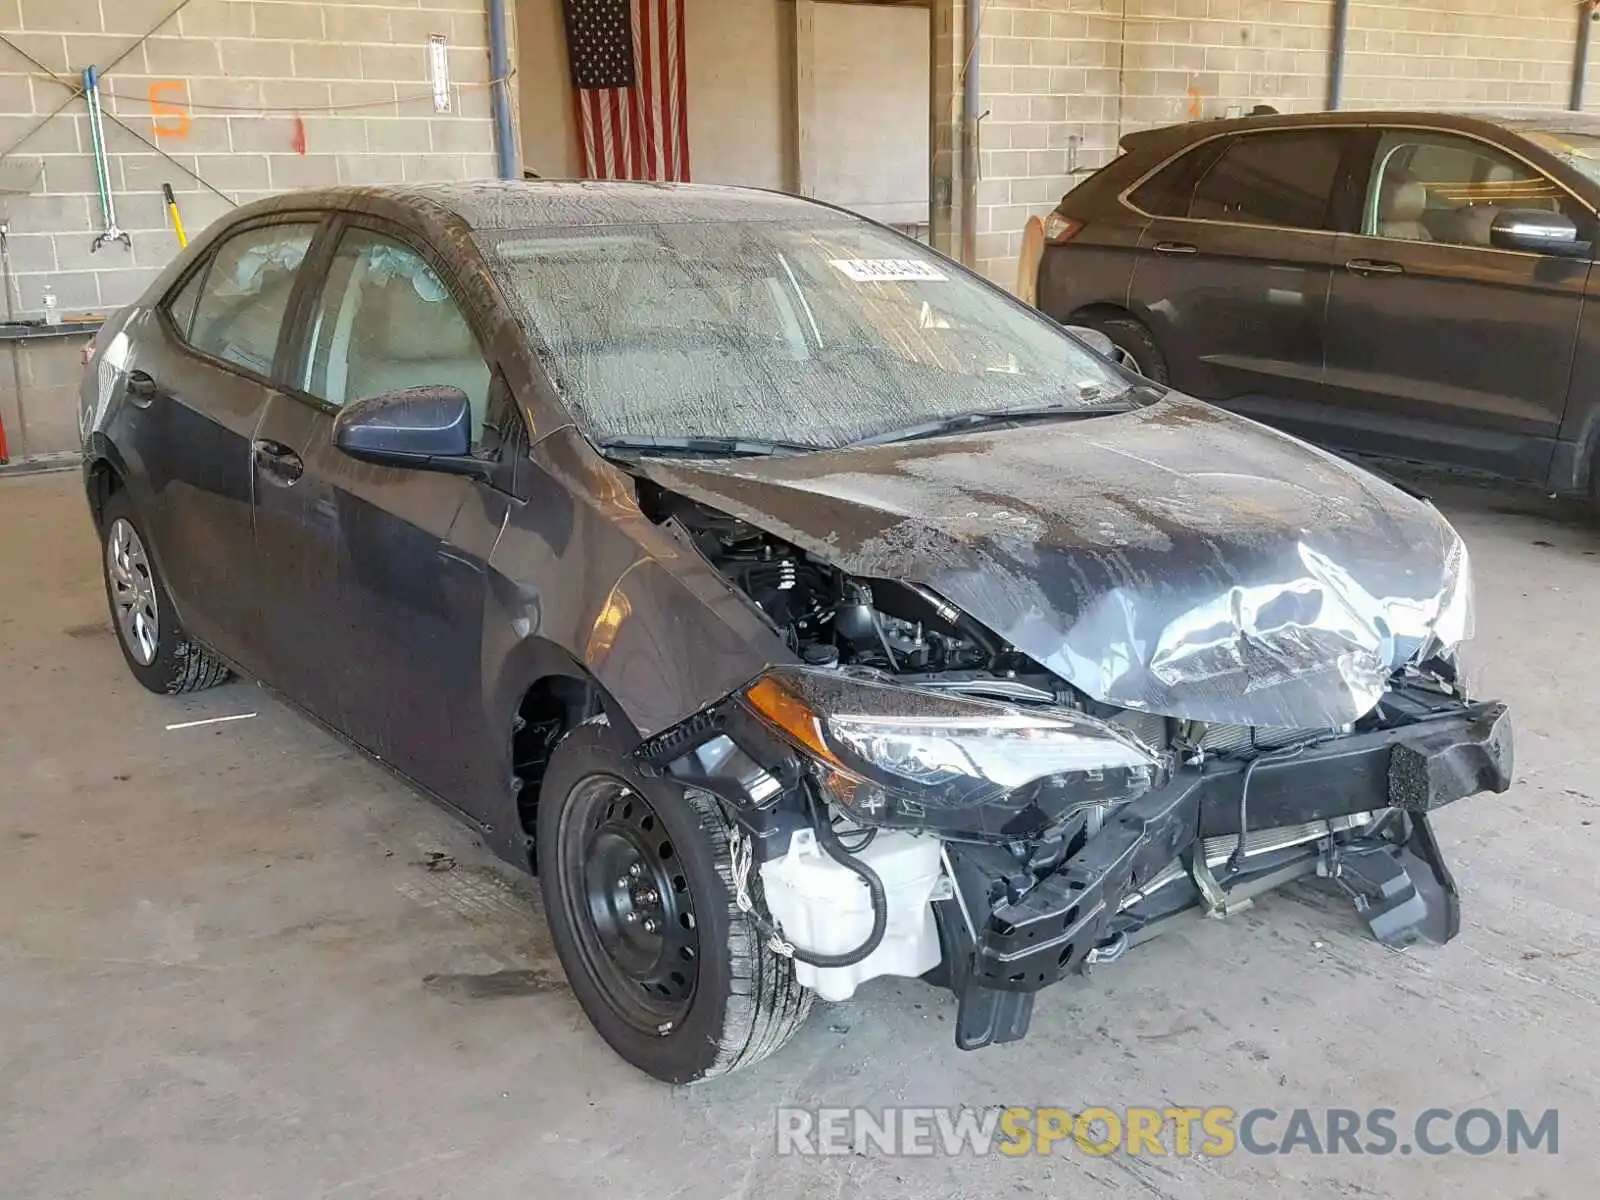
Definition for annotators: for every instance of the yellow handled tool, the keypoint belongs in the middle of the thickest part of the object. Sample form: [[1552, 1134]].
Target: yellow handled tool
[[172, 211]]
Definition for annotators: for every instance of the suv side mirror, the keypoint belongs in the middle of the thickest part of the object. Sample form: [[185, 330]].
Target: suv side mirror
[[1536, 231], [424, 428]]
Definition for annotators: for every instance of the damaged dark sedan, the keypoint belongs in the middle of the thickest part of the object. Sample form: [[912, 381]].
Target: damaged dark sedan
[[799, 607]]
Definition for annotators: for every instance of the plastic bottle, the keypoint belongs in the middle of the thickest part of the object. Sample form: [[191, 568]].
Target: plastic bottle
[[50, 304]]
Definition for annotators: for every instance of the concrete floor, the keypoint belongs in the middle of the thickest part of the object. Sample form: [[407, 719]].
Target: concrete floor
[[226, 969]]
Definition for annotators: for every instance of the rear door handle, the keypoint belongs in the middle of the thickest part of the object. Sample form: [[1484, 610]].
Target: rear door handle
[[1176, 248], [1372, 266], [278, 462], [142, 388]]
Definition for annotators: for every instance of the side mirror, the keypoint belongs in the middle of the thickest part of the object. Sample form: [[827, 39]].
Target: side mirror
[[1095, 340], [424, 428], [1535, 231]]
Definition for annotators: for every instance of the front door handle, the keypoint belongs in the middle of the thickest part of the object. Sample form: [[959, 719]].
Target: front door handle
[[142, 388], [278, 462], [1372, 266], [1176, 248]]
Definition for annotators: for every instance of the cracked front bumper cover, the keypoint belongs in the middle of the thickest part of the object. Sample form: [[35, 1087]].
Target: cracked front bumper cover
[[1004, 942]]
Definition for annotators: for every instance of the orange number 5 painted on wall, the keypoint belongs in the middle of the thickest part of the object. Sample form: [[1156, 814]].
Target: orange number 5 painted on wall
[[171, 118]]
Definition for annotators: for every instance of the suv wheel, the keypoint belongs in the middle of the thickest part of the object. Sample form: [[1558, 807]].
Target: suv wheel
[[1136, 346]]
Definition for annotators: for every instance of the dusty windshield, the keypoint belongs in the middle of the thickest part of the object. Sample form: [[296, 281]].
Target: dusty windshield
[[1578, 150], [818, 332]]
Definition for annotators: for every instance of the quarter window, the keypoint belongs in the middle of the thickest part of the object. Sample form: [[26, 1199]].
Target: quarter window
[[181, 307], [240, 299], [1170, 192], [1437, 187], [385, 321]]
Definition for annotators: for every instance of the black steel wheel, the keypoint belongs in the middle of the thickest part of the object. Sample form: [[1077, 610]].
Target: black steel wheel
[[637, 879], [635, 920]]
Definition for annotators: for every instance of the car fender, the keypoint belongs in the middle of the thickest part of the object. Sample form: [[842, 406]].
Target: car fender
[[625, 601]]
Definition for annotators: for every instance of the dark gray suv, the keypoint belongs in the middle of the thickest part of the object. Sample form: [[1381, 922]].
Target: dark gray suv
[[1409, 285]]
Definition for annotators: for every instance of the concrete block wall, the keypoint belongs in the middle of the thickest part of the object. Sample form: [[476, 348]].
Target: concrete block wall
[[1460, 53], [252, 96]]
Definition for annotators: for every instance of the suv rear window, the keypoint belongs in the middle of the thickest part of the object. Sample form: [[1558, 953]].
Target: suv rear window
[[1282, 178]]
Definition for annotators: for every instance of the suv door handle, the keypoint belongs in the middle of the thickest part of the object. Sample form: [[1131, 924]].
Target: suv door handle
[[277, 462], [1176, 248], [142, 388], [1371, 266]]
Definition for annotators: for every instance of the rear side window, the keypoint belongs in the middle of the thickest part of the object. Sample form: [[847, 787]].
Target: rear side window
[[243, 294], [1170, 191], [1284, 179]]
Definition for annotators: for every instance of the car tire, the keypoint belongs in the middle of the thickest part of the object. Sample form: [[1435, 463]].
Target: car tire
[[1136, 343], [157, 650], [684, 988]]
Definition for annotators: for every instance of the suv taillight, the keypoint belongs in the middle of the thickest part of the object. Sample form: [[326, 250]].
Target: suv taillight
[[1059, 230]]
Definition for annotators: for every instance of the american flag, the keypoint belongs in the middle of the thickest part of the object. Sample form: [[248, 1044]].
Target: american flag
[[628, 72]]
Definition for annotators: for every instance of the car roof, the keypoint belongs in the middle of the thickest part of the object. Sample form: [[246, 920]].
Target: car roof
[[1475, 121], [523, 204]]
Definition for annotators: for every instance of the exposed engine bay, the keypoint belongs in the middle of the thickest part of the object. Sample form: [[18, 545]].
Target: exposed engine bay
[[830, 619], [920, 798]]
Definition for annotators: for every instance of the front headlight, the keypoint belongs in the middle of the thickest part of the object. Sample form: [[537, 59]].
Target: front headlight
[[897, 755]]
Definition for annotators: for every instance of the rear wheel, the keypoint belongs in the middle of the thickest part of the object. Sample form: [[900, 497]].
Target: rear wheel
[[1136, 346], [637, 880], [153, 642]]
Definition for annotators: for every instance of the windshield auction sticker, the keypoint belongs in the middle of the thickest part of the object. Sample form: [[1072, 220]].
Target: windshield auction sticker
[[888, 270]]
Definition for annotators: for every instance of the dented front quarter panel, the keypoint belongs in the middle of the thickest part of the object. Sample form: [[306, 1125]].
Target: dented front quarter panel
[[1175, 559], [579, 567]]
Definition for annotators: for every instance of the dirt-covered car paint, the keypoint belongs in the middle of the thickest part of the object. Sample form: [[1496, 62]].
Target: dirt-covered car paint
[[1174, 559]]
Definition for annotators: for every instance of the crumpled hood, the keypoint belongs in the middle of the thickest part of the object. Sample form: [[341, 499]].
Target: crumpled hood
[[1176, 559]]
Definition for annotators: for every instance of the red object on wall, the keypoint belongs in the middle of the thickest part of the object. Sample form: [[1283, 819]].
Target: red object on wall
[[5, 453], [297, 140]]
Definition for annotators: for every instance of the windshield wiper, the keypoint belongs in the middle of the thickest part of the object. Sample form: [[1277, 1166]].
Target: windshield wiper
[[724, 447], [970, 420]]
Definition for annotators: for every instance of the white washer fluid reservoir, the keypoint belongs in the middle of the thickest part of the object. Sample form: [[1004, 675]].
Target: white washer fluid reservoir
[[823, 906]]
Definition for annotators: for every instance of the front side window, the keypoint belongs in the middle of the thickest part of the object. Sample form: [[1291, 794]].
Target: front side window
[[819, 331], [386, 321], [1283, 178], [238, 309], [1440, 187]]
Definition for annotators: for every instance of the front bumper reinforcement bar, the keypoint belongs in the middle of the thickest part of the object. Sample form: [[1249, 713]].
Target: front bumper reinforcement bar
[[1008, 937]]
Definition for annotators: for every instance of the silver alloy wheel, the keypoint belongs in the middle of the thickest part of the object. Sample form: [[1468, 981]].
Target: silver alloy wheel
[[133, 592]]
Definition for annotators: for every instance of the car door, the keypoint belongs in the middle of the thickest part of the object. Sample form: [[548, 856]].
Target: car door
[[381, 608], [196, 394], [1441, 346], [1233, 270]]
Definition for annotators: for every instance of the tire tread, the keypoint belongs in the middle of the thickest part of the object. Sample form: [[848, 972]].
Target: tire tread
[[771, 1005]]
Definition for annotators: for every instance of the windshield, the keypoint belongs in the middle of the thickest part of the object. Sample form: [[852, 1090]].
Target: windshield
[[821, 332], [1580, 151]]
